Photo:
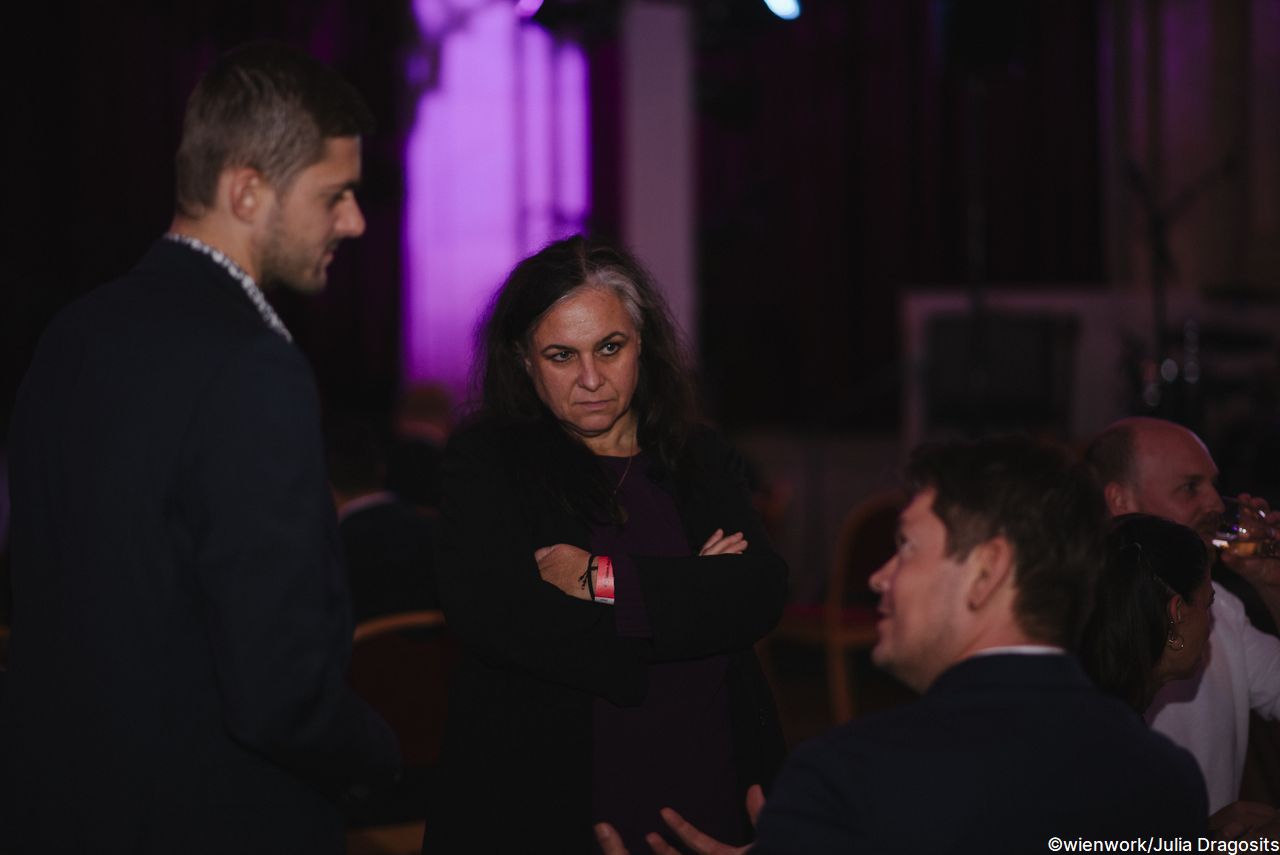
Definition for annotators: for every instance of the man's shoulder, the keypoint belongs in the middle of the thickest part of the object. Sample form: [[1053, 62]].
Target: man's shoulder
[[1065, 754], [173, 295], [1233, 639], [987, 701]]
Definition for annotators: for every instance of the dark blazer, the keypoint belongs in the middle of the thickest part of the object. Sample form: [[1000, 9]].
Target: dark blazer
[[517, 754], [1002, 753], [181, 624]]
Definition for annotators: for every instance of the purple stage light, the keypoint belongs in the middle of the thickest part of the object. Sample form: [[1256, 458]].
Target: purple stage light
[[496, 166], [528, 8]]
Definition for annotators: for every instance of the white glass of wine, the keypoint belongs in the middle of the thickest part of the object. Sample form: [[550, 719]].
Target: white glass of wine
[[1246, 532]]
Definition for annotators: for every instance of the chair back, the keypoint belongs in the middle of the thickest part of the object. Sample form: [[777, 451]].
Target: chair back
[[867, 539], [400, 666]]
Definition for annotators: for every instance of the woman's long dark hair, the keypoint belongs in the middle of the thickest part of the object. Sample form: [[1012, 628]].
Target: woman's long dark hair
[[1149, 560], [664, 399]]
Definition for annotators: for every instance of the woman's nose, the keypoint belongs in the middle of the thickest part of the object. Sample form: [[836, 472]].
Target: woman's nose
[[588, 375]]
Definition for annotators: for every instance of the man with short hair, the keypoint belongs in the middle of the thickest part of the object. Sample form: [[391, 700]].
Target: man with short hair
[[181, 625], [1010, 745], [1157, 467]]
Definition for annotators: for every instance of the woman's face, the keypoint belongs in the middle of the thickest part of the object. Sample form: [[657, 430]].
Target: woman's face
[[584, 361], [1194, 630]]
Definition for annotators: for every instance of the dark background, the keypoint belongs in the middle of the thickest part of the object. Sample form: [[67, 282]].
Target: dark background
[[839, 157]]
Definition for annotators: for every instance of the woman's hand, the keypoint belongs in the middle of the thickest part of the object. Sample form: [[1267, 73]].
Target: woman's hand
[[721, 544], [563, 566]]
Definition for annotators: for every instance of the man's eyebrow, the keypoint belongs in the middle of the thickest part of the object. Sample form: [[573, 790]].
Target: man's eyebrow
[[353, 184]]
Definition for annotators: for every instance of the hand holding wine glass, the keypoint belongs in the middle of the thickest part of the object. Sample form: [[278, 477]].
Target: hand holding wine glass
[[1248, 538]]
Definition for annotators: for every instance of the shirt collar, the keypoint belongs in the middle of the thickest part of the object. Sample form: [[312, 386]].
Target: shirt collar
[[250, 288]]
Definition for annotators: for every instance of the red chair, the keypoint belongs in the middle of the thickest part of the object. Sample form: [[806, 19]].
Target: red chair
[[400, 666], [845, 621]]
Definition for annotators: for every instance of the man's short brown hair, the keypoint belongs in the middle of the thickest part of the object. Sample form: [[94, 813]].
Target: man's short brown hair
[[1043, 503], [265, 106]]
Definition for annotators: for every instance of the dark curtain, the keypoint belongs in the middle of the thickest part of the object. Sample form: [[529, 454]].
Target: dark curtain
[[839, 156]]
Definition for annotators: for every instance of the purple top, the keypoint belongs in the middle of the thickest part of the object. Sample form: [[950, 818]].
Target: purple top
[[675, 749]]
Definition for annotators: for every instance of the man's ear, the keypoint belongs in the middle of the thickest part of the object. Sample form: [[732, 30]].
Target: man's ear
[[1120, 498], [247, 193], [993, 566]]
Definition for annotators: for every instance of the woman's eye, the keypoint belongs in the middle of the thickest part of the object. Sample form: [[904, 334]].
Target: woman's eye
[[610, 348], [560, 356]]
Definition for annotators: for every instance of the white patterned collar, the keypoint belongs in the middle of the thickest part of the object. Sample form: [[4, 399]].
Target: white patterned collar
[[250, 288], [1022, 650]]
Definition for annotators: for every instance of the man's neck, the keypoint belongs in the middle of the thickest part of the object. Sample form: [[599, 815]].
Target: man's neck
[[1001, 637]]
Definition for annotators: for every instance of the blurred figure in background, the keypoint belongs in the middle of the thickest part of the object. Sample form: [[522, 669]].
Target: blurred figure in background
[[1150, 619], [388, 545], [1152, 466], [420, 429], [1150, 626]]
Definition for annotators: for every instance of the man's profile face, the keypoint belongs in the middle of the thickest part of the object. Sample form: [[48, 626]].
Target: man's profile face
[[921, 595], [314, 213], [1175, 478]]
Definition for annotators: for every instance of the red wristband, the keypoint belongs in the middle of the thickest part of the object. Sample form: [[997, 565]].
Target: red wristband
[[604, 580]]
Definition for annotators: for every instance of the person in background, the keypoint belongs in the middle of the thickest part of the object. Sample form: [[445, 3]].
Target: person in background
[[1150, 619], [388, 545], [601, 564], [420, 429], [1152, 466], [181, 626], [1150, 626]]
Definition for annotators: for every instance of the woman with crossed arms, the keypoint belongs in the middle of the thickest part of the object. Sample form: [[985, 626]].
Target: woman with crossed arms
[[605, 573]]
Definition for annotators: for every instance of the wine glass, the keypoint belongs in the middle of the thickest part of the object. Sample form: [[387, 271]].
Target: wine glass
[[1246, 532]]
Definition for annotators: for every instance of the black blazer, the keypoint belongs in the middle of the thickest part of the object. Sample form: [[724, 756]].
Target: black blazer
[[517, 755], [181, 624], [1002, 753]]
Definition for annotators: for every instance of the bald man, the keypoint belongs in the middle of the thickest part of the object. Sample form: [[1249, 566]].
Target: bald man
[[1157, 467]]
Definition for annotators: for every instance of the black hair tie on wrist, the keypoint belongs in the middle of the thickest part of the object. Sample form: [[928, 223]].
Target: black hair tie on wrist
[[584, 580]]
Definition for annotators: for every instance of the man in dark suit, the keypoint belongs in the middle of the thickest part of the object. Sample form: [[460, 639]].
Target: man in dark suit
[[1010, 744], [1010, 747], [181, 625]]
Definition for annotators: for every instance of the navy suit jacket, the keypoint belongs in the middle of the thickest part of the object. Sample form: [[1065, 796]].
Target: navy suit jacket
[[181, 624], [1002, 753]]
